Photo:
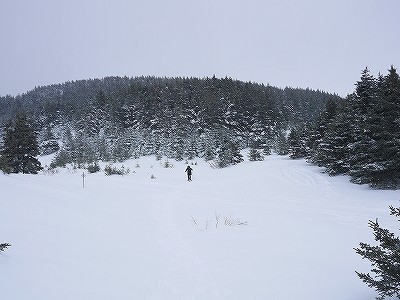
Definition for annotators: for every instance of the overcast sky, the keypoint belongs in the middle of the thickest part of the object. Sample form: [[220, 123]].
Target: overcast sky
[[320, 44]]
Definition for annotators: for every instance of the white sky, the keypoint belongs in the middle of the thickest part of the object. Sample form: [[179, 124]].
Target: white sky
[[320, 44]]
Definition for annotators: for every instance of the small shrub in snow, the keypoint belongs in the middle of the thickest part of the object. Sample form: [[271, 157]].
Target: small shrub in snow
[[50, 171], [93, 168], [217, 215], [167, 164], [72, 170], [228, 221], [152, 176], [111, 170], [4, 246], [193, 163]]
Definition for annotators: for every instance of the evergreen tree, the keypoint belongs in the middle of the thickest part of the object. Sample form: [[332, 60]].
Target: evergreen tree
[[228, 154], [255, 154], [385, 260], [281, 144], [191, 150], [376, 147], [297, 144], [384, 127], [21, 147], [364, 94], [324, 121], [334, 149], [68, 153], [61, 159], [361, 140], [364, 144]]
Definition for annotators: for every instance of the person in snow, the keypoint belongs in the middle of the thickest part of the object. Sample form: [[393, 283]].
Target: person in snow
[[189, 173]]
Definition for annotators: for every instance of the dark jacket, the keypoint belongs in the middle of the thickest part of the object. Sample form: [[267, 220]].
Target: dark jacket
[[189, 170]]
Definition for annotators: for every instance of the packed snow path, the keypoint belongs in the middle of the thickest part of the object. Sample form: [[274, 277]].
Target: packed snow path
[[277, 229]]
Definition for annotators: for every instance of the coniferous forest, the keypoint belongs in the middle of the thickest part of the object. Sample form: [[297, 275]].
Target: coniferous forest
[[117, 118]]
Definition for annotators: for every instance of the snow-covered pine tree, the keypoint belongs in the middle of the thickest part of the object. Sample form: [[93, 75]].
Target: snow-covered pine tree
[[281, 144], [383, 128], [21, 146], [321, 126], [228, 154], [363, 145], [297, 144], [385, 260], [333, 150], [255, 153], [376, 149]]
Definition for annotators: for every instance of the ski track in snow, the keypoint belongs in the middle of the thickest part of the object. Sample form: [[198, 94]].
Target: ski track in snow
[[133, 237]]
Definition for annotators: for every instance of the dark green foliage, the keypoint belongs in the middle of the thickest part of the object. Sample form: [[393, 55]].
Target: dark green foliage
[[20, 147], [297, 143], [322, 125], [385, 260], [255, 154], [49, 147], [112, 170], [361, 137], [4, 165], [209, 154], [61, 160], [333, 149], [228, 154], [381, 133], [281, 144], [93, 167]]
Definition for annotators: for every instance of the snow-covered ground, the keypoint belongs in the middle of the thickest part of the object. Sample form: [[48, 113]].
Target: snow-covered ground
[[290, 233]]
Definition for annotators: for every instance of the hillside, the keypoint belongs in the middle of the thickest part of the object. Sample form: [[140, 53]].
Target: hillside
[[152, 235], [115, 119]]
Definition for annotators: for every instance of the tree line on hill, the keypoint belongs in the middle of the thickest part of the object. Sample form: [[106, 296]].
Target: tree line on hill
[[114, 119], [118, 118]]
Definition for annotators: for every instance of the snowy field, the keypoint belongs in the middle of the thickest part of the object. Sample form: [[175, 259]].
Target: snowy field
[[278, 229]]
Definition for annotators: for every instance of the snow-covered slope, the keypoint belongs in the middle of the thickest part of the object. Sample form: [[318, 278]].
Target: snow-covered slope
[[277, 229]]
